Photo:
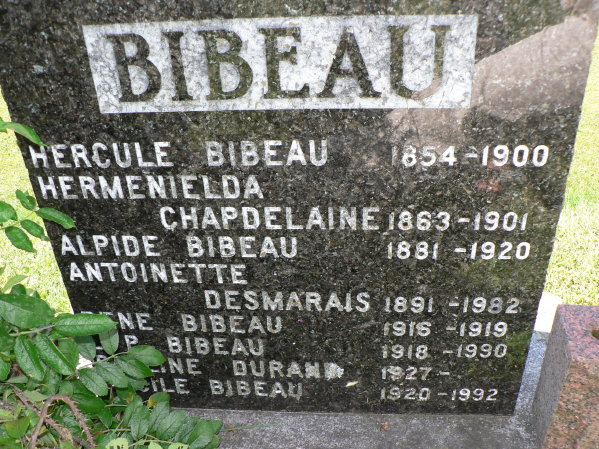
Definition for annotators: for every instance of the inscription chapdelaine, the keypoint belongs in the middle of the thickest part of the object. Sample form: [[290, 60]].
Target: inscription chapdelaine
[[353, 62]]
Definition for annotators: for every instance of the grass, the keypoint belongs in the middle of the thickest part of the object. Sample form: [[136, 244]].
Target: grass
[[573, 270], [40, 268], [574, 267]]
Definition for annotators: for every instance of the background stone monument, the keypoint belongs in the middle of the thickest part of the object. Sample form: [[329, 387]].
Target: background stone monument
[[336, 207]]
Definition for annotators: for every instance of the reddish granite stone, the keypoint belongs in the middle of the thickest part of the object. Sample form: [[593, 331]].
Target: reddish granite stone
[[572, 361]]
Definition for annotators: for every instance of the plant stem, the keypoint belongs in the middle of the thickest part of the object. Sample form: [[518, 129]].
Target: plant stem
[[64, 433], [125, 429], [34, 331], [107, 358], [258, 426]]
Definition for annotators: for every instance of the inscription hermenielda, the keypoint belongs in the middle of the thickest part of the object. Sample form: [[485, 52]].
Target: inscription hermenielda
[[332, 212]]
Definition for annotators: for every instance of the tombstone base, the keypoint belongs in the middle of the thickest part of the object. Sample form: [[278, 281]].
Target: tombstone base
[[407, 431]]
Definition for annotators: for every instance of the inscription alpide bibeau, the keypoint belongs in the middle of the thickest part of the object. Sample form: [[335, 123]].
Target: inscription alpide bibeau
[[250, 199]]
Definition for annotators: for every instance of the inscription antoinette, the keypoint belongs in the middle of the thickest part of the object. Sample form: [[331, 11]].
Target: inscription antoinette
[[283, 63]]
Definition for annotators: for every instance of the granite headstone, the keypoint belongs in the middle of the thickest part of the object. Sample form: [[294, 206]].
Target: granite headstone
[[340, 206]]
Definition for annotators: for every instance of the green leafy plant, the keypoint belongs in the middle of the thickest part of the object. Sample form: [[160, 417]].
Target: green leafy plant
[[23, 130], [55, 390]]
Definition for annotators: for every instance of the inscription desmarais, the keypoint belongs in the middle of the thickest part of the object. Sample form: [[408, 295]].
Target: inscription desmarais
[[306, 213]]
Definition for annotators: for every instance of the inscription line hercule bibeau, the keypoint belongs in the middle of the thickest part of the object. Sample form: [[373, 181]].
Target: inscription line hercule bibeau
[[356, 62]]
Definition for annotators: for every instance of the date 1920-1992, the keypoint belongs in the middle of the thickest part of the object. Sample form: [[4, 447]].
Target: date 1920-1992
[[401, 393]]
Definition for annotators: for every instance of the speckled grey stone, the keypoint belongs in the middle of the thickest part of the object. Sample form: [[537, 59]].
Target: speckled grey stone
[[481, 225]]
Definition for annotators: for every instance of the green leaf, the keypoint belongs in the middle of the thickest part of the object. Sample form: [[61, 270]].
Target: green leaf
[[33, 417], [35, 396], [160, 396], [10, 443], [185, 430], [88, 403], [49, 213], [6, 413], [177, 446], [13, 281], [83, 324], [32, 384], [18, 427], [7, 212], [93, 381], [147, 354], [18, 380], [118, 443], [33, 293], [210, 425], [78, 387], [28, 358], [134, 367], [87, 346], [25, 311], [66, 387], [4, 370], [154, 445], [215, 425], [103, 439], [199, 437], [126, 394], [7, 342], [64, 416], [27, 201], [131, 409], [51, 382], [18, 289], [112, 374], [34, 229], [213, 444], [203, 433], [140, 422], [137, 384], [70, 350], [52, 355], [105, 416], [25, 131], [110, 340], [170, 425], [159, 413], [19, 239]]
